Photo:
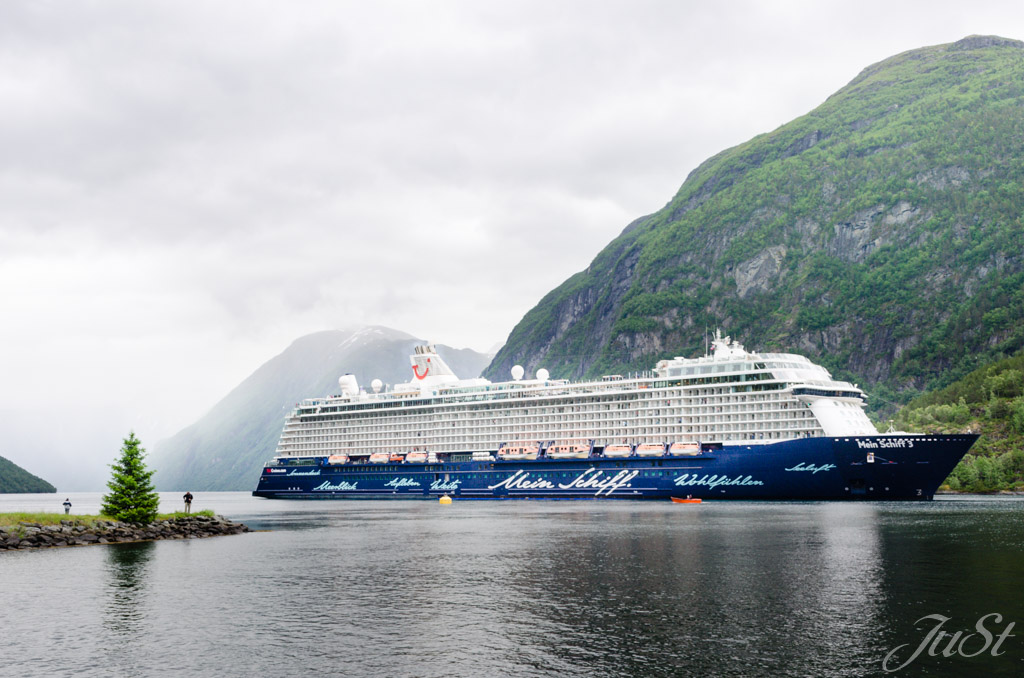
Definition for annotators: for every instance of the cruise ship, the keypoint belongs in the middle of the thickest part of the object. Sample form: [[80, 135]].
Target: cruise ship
[[731, 424]]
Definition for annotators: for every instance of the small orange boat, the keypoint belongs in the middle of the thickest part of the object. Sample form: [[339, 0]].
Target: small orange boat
[[688, 500]]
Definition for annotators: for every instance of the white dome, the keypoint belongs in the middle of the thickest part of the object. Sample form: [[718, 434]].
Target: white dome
[[517, 372], [376, 384], [542, 374]]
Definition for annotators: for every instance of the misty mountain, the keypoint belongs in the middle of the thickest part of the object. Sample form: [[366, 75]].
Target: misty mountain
[[880, 234], [226, 449]]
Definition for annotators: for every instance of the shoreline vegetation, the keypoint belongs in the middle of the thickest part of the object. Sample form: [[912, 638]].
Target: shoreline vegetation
[[989, 401], [22, 531], [15, 517]]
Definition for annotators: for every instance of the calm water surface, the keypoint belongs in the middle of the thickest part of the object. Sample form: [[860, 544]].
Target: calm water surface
[[525, 588]]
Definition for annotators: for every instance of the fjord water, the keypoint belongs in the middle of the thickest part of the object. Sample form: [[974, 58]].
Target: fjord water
[[525, 588]]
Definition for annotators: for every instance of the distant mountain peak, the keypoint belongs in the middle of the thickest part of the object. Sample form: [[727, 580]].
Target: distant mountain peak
[[985, 41], [226, 448]]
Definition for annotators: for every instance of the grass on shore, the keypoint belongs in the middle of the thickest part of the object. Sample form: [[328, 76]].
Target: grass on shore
[[14, 519]]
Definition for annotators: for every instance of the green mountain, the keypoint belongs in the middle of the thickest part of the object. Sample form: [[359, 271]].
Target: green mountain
[[14, 479], [990, 401], [226, 449], [880, 235]]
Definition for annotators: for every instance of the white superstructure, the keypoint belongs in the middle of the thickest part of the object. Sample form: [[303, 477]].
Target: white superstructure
[[730, 396]]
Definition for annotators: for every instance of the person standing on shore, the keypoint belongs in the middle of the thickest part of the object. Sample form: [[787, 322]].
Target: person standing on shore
[[188, 502], [67, 506]]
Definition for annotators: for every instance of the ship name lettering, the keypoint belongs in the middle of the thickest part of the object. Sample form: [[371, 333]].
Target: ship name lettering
[[401, 482], [519, 481], [592, 479], [803, 466], [447, 485], [889, 443], [714, 481], [312, 472], [326, 486]]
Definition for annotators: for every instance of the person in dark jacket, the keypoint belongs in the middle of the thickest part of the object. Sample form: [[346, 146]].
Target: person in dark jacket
[[67, 506], [188, 502]]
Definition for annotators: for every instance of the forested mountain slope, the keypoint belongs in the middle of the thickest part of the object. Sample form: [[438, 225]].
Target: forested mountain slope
[[880, 235], [989, 401], [14, 479]]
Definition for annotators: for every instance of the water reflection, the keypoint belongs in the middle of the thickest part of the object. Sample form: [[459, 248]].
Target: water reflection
[[637, 593], [127, 569], [946, 560], [523, 589]]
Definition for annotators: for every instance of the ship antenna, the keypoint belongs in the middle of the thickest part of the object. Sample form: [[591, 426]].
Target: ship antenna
[[705, 339]]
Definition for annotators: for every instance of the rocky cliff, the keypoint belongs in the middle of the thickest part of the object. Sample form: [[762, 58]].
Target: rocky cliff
[[880, 234]]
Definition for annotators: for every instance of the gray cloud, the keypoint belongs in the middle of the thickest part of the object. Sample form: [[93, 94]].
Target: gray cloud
[[186, 187]]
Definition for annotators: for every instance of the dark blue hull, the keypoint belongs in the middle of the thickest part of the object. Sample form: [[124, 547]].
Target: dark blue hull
[[886, 467]]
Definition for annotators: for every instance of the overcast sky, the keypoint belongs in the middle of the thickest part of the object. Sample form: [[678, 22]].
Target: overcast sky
[[186, 187]]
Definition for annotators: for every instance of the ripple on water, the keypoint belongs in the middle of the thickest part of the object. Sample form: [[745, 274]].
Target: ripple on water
[[520, 589]]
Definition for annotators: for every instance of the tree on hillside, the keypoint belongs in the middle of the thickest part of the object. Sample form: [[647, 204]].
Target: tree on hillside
[[132, 497]]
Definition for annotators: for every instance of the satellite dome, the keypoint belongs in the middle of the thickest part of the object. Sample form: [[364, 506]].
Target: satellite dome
[[517, 372], [376, 384], [543, 374]]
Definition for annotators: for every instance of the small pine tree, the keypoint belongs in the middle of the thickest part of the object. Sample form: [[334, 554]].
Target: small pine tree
[[132, 498]]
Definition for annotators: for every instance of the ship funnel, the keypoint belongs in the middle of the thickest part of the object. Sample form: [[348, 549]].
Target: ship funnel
[[349, 385], [429, 370]]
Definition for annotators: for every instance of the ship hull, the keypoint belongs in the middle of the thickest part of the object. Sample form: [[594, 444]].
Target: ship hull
[[889, 467]]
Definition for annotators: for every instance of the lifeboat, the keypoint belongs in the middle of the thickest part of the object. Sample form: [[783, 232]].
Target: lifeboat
[[687, 500], [379, 458], [518, 451], [336, 459], [416, 458], [650, 449], [396, 458], [688, 449], [619, 450], [571, 449]]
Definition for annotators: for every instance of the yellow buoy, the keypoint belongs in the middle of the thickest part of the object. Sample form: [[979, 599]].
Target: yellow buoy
[[445, 499]]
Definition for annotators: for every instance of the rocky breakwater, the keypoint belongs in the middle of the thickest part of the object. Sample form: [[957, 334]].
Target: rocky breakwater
[[80, 533]]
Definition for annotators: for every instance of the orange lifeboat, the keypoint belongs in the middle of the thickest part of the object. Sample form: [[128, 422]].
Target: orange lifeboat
[[416, 458], [687, 500], [570, 449], [650, 449], [379, 458], [686, 449], [519, 451], [618, 450]]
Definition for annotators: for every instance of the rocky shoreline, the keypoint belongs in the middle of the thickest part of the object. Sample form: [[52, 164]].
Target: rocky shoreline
[[77, 533]]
